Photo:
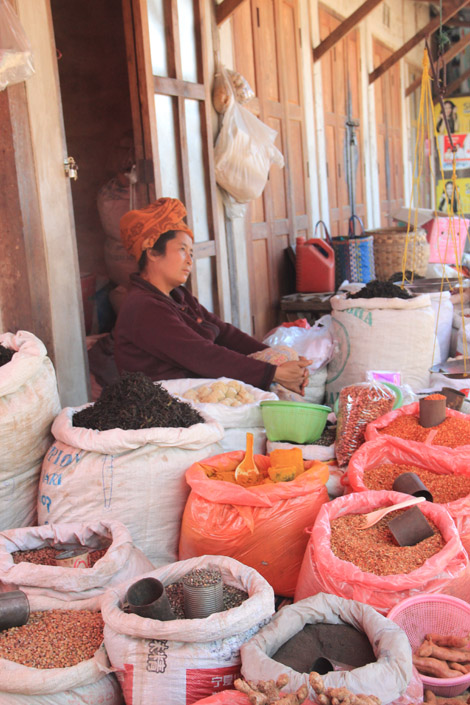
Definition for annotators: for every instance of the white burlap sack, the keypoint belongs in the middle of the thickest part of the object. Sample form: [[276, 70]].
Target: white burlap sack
[[236, 421], [136, 477], [90, 682], [390, 678], [81, 588], [184, 660], [29, 401], [381, 334]]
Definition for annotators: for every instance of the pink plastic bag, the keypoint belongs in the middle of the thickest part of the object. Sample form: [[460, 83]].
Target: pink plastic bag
[[262, 526], [322, 571], [373, 429], [396, 451]]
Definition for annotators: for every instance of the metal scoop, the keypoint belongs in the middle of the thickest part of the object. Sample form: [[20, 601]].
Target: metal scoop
[[375, 516], [247, 471]]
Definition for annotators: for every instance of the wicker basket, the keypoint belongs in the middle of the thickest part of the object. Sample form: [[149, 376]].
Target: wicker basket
[[389, 247]]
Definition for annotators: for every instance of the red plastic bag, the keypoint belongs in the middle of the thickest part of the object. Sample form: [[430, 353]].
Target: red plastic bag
[[298, 323], [396, 451], [373, 429], [261, 526], [322, 571], [358, 405]]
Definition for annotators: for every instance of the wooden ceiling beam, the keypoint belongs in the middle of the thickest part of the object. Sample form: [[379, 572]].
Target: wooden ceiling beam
[[226, 9], [449, 12], [447, 56], [454, 85], [344, 28]]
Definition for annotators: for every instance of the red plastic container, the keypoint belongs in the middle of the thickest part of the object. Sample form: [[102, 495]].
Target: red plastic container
[[315, 266]]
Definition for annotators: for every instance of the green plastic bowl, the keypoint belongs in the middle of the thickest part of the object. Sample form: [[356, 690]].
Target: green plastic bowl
[[294, 421], [396, 390]]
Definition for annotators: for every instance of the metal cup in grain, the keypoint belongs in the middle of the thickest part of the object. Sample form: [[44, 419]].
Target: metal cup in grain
[[410, 483], [14, 609], [200, 601], [432, 412], [411, 527], [147, 598], [454, 398], [76, 558]]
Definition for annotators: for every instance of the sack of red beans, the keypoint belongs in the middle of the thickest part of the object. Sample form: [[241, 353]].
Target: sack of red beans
[[57, 658], [358, 405], [377, 464], [452, 436], [379, 582], [28, 561]]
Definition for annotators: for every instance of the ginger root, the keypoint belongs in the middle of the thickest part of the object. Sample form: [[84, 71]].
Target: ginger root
[[338, 696], [268, 692]]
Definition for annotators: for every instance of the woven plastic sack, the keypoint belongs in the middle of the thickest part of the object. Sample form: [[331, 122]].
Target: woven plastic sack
[[79, 588], [243, 154], [184, 660], [322, 571], [16, 58], [236, 421], [398, 452], [133, 476], [226, 697], [391, 678], [261, 526], [29, 401], [381, 334], [358, 405], [90, 681], [377, 429]]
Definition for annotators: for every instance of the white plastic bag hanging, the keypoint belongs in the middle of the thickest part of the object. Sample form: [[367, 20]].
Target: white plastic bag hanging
[[16, 58], [244, 152]]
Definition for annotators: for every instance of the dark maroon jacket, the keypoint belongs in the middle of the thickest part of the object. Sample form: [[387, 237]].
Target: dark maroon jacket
[[169, 337]]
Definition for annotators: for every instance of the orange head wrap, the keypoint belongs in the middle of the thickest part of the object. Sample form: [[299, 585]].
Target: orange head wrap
[[140, 229]]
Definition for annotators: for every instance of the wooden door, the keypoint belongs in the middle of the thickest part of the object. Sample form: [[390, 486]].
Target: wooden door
[[171, 103], [389, 136], [341, 103], [266, 36]]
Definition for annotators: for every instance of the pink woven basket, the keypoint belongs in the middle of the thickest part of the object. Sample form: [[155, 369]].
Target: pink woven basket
[[438, 614]]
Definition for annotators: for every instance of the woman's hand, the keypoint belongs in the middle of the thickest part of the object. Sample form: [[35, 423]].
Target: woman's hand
[[293, 375]]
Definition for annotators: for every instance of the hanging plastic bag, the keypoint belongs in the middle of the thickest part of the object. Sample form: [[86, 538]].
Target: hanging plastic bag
[[358, 405], [244, 152], [16, 58], [243, 91], [315, 343]]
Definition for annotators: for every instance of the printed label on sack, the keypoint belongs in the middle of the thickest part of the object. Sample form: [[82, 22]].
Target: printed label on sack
[[126, 681], [157, 655], [203, 682], [342, 350], [362, 313]]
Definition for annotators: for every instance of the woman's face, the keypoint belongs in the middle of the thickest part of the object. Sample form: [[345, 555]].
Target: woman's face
[[174, 267]]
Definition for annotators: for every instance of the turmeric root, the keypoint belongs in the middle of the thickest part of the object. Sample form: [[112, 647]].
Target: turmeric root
[[456, 642], [429, 696], [428, 649], [434, 667]]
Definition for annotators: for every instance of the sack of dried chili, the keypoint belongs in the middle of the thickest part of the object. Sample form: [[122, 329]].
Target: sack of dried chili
[[359, 404]]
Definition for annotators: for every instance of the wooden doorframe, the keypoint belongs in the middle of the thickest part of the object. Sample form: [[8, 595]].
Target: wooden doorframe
[[46, 208], [145, 120]]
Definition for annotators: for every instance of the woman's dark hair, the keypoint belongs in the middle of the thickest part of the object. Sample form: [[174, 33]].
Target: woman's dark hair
[[159, 247]]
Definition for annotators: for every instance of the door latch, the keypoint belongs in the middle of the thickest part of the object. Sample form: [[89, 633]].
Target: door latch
[[71, 168]]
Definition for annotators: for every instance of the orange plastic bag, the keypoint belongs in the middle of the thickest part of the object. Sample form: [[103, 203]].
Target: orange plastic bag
[[322, 571], [262, 526], [396, 451]]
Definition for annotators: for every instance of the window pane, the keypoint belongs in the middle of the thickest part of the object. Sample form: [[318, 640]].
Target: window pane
[[187, 40], [197, 170], [157, 38], [165, 108]]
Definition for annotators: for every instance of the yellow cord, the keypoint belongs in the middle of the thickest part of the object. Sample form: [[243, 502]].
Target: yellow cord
[[426, 117]]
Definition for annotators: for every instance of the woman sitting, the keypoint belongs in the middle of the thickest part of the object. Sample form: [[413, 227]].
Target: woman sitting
[[163, 331]]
